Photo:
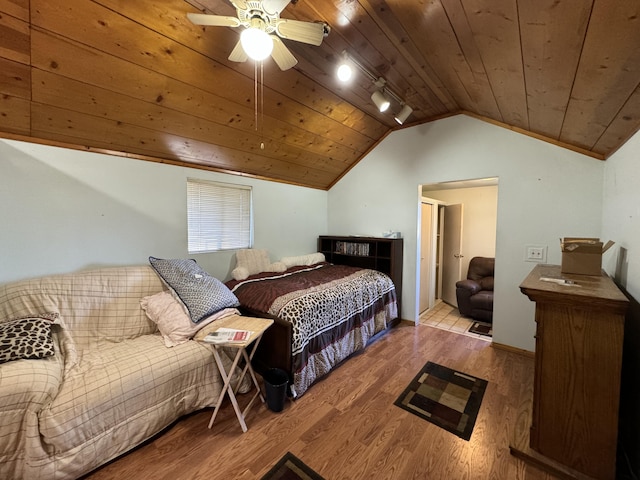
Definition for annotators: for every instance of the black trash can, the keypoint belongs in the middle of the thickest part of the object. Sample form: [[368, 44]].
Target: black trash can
[[275, 385]]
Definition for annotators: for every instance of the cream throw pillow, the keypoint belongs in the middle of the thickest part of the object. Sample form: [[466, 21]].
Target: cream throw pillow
[[174, 323], [250, 261]]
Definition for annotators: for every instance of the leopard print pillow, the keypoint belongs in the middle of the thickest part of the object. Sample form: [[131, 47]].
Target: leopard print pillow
[[27, 337]]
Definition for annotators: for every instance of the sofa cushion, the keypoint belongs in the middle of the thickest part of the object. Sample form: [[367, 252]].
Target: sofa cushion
[[483, 300], [486, 283], [98, 306], [201, 294], [26, 386], [172, 319], [27, 337], [468, 287], [480, 267], [120, 395]]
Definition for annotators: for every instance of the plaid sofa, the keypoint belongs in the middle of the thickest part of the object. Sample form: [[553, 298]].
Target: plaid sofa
[[111, 384]]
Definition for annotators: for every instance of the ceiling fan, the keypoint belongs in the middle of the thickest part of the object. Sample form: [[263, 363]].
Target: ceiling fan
[[264, 29]]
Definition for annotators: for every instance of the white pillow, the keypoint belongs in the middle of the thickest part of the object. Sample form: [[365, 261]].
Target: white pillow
[[240, 273], [174, 323], [250, 261], [309, 259]]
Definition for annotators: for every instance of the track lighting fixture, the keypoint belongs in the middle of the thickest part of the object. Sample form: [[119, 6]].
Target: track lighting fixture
[[380, 100], [378, 97], [382, 95], [345, 70], [403, 114]]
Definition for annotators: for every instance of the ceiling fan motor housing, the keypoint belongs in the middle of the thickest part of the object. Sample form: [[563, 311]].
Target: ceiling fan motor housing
[[255, 11]]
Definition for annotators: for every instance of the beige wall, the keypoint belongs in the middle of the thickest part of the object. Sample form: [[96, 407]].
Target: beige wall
[[480, 214]]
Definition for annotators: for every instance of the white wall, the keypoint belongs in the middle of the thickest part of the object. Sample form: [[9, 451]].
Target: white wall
[[66, 210], [621, 223], [479, 219], [621, 215], [545, 192]]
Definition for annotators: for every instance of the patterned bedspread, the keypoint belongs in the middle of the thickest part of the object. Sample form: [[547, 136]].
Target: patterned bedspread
[[333, 309]]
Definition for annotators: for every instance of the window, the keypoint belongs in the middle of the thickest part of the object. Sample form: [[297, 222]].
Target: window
[[219, 216]]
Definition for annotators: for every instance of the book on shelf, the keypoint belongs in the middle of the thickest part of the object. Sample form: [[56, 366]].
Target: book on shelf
[[352, 248], [227, 335]]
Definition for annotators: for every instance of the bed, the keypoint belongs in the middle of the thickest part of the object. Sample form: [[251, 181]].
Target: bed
[[323, 313]]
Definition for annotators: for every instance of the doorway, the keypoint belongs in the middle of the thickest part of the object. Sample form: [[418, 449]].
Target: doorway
[[462, 224]]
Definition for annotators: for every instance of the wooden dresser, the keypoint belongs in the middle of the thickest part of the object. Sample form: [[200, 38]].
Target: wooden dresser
[[578, 362]]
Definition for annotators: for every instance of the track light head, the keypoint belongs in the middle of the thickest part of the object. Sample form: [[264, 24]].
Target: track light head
[[382, 95], [381, 101], [403, 114]]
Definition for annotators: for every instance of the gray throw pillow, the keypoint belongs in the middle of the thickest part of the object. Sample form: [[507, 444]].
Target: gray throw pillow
[[201, 294], [27, 337]]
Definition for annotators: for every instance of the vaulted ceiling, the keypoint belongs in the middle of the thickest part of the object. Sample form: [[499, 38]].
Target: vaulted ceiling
[[138, 79]]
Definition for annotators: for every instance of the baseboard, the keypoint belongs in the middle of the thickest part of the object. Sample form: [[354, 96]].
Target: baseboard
[[395, 322], [509, 348], [550, 466]]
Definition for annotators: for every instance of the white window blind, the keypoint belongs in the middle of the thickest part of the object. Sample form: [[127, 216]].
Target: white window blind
[[219, 216]]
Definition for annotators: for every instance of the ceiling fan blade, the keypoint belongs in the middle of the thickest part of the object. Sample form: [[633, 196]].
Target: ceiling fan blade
[[238, 54], [274, 6], [213, 20], [282, 55], [239, 4], [306, 32]]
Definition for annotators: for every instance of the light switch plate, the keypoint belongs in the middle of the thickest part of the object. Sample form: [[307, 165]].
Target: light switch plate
[[535, 253]]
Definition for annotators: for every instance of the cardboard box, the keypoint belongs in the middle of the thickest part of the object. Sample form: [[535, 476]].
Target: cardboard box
[[583, 256]]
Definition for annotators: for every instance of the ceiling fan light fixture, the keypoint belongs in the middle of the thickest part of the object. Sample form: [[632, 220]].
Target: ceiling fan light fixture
[[257, 43], [381, 101], [262, 29], [403, 114]]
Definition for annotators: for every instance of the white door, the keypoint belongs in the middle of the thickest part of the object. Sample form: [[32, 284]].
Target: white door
[[425, 256], [451, 252]]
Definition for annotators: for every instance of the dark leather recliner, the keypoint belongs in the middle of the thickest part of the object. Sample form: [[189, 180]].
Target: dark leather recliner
[[475, 294]]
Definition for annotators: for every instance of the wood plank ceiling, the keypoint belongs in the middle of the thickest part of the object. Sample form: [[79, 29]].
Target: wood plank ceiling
[[138, 79]]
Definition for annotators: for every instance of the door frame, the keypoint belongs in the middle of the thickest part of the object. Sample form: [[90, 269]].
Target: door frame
[[433, 252], [422, 196]]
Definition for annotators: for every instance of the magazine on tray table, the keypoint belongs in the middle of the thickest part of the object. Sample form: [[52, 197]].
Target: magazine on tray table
[[227, 335]]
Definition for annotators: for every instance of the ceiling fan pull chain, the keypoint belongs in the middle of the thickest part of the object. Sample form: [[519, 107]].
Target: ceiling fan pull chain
[[255, 95], [262, 105]]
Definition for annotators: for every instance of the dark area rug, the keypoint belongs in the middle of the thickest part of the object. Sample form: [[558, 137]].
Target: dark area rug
[[445, 397], [482, 328], [291, 467]]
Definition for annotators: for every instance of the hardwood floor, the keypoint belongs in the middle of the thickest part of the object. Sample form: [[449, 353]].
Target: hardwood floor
[[346, 427]]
